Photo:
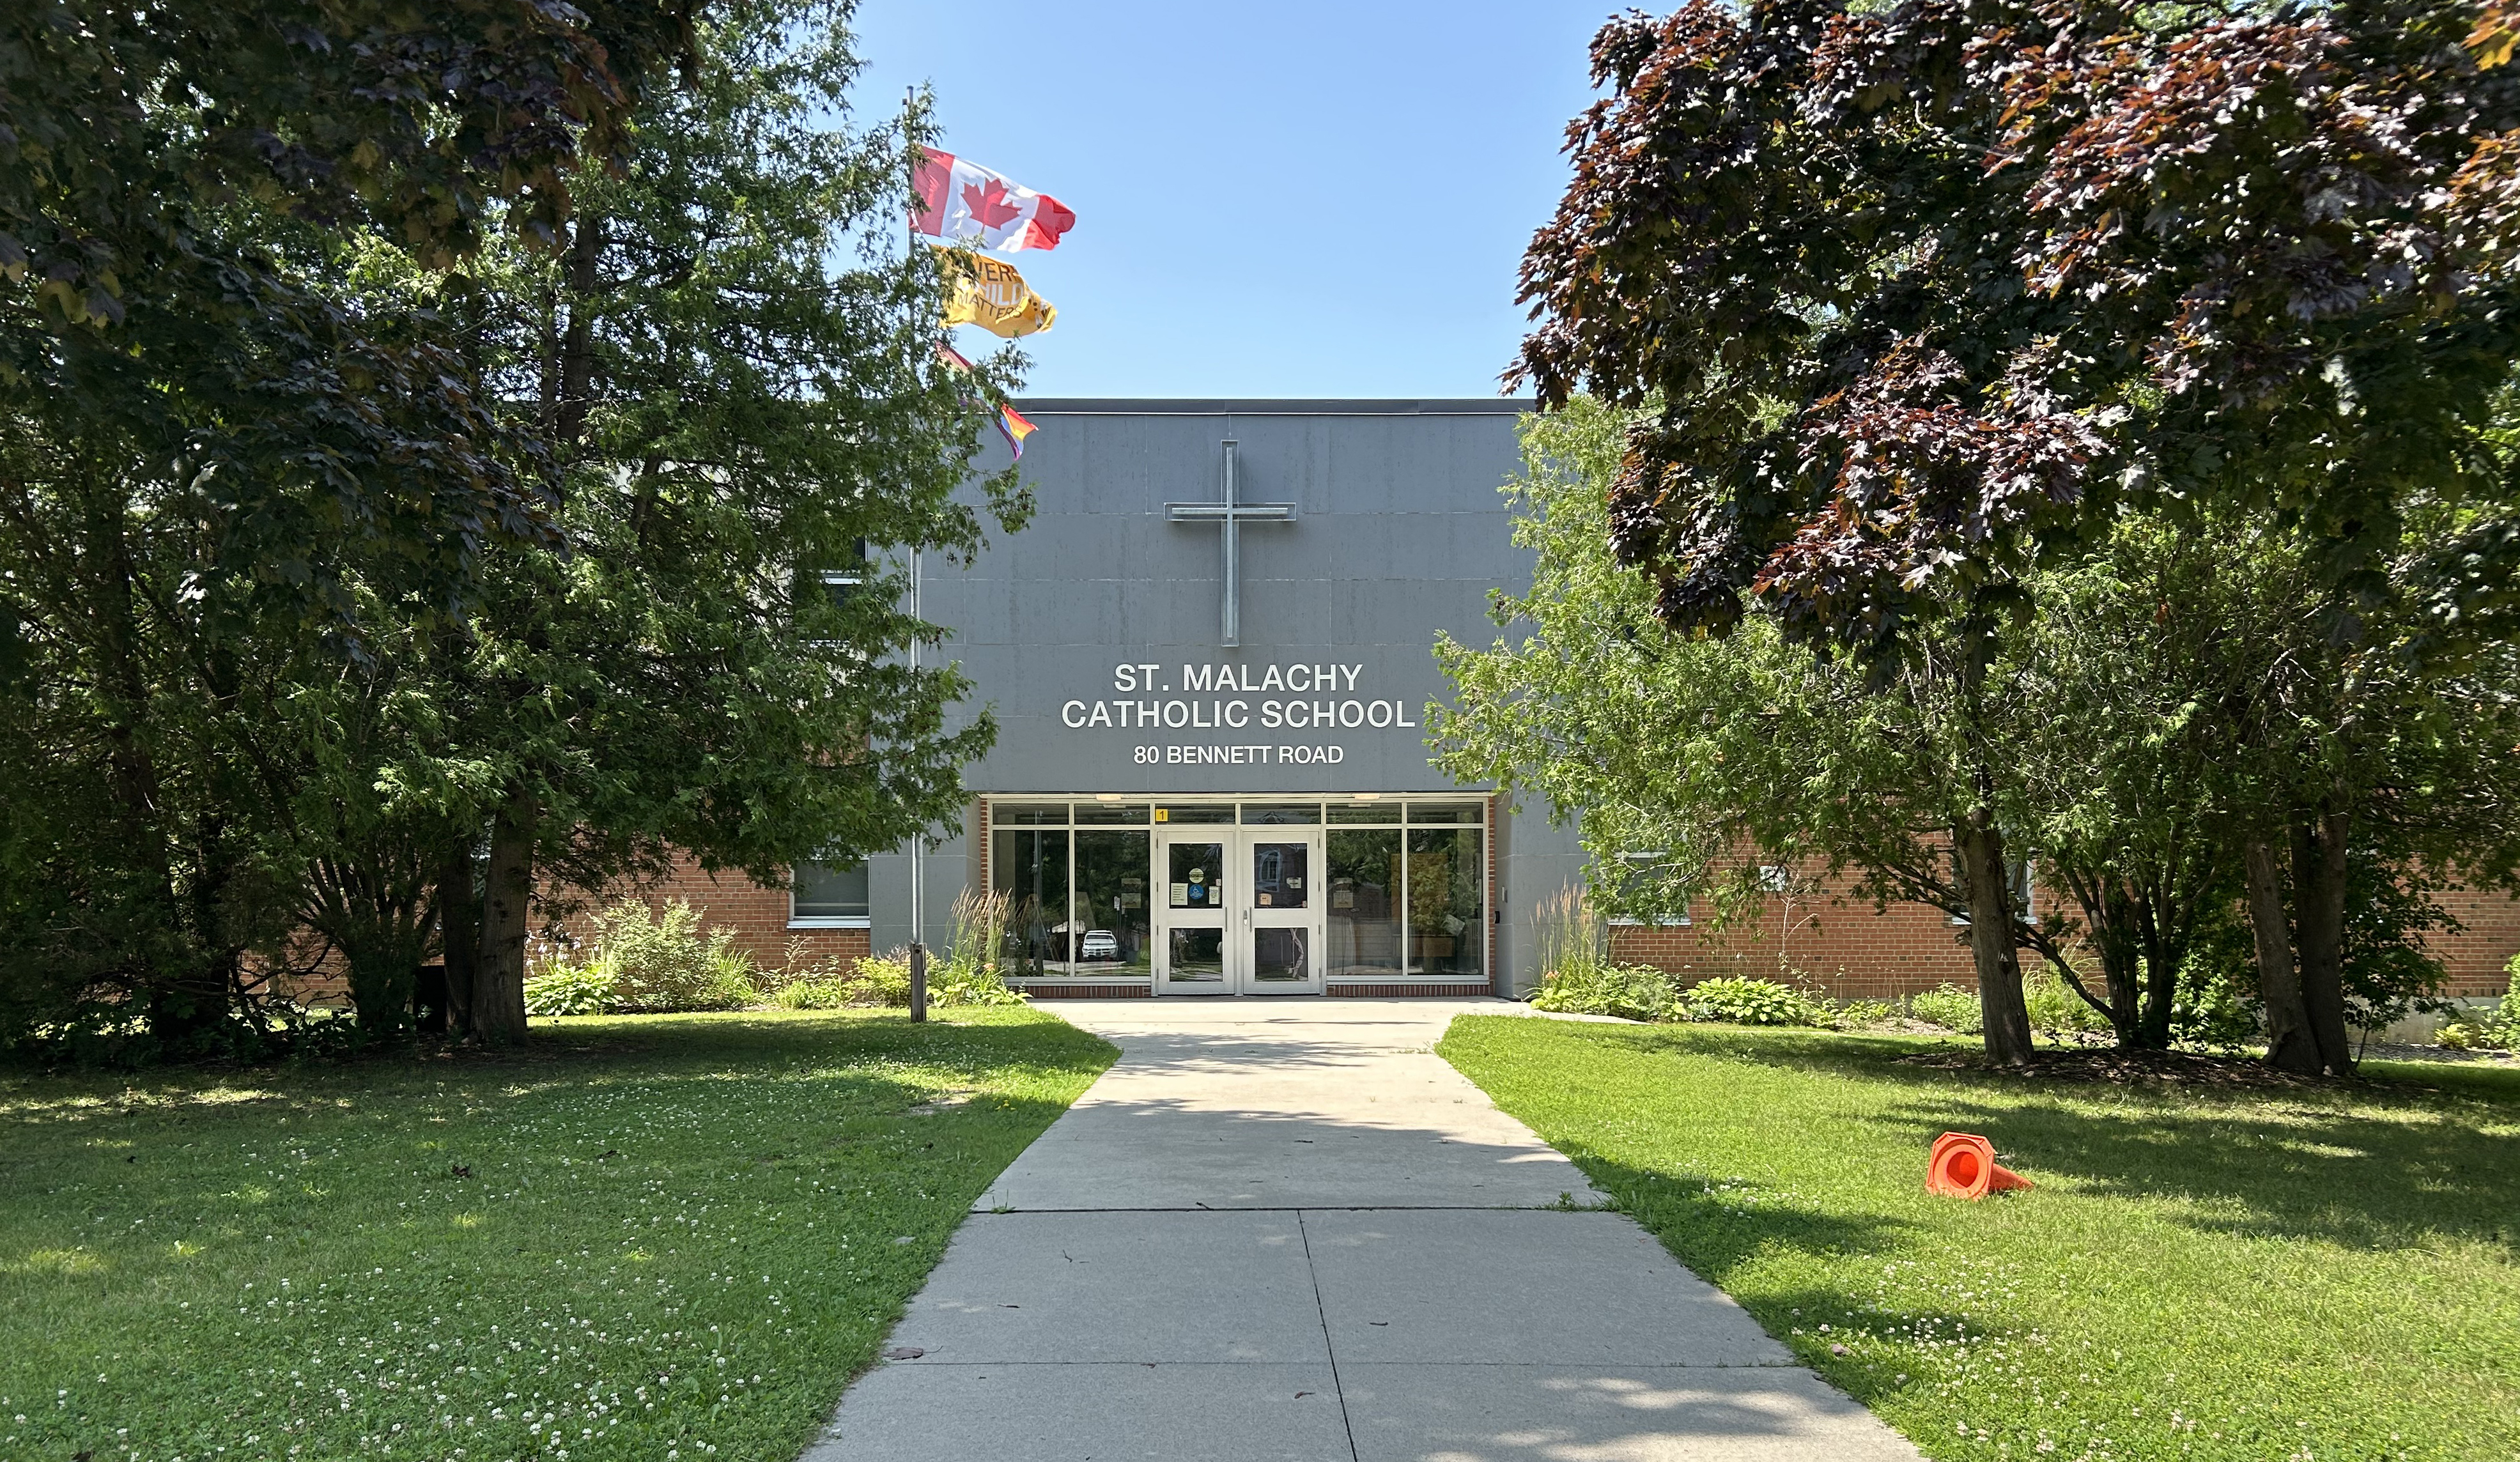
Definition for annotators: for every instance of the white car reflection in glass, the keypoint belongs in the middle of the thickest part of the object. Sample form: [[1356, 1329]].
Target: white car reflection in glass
[[1098, 944]]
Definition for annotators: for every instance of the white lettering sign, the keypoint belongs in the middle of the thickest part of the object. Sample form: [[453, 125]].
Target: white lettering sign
[[1298, 696]]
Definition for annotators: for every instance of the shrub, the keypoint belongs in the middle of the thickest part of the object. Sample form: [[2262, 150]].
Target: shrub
[[1753, 1002], [1951, 1007], [2498, 1029], [1856, 1015], [813, 994], [660, 963], [957, 983], [2056, 1007], [1634, 992], [569, 990], [2217, 1004], [881, 979]]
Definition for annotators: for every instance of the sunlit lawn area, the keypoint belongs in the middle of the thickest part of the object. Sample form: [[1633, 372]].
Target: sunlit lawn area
[[642, 1238], [2311, 1273]]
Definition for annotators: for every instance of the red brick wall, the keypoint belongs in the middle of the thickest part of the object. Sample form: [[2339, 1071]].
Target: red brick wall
[[2478, 957], [1843, 948], [758, 915], [1851, 953]]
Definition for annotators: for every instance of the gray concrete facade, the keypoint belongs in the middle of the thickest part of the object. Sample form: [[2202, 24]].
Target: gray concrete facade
[[1094, 633]]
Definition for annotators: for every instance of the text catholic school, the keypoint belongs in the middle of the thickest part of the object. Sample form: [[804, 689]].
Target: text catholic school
[[1214, 712]]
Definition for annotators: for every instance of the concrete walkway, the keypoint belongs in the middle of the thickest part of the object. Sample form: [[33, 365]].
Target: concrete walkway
[[1288, 1231]]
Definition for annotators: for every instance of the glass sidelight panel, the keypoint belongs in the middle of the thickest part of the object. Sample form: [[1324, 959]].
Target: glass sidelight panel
[[1447, 904], [1198, 957], [1111, 902], [1195, 878], [1364, 876], [1030, 869], [1279, 956], [1281, 875]]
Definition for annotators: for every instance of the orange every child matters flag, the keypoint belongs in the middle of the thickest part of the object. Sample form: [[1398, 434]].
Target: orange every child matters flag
[[967, 203], [989, 293]]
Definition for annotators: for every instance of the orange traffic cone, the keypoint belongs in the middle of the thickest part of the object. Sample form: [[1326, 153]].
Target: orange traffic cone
[[1964, 1166]]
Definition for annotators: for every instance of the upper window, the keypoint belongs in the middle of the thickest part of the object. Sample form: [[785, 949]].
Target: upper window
[[838, 584]]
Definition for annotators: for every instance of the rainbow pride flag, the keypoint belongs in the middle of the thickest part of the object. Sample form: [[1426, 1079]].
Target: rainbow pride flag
[[1015, 428]]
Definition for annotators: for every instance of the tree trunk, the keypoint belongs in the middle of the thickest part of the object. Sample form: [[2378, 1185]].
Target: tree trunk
[[499, 971], [575, 371], [384, 971], [185, 990], [2163, 954], [2290, 1046], [2319, 923], [2115, 934], [459, 937], [1991, 943]]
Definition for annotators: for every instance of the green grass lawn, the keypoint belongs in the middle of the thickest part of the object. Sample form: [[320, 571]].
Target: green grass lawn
[[2313, 1273], [660, 1237]]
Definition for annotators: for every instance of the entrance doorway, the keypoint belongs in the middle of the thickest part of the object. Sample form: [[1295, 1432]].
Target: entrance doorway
[[1239, 910], [1283, 894]]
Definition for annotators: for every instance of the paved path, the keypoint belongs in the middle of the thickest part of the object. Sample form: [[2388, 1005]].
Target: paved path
[[1288, 1231]]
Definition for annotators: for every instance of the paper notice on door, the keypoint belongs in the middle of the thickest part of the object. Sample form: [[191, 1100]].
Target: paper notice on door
[[1264, 900], [1181, 895]]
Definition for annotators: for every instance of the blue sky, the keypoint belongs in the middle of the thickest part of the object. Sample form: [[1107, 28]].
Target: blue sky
[[1300, 199]]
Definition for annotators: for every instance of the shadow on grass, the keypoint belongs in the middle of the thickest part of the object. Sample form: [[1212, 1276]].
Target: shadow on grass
[[2368, 1180], [2380, 1164], [1717, 1223], [741, 1106], [571, 1051]]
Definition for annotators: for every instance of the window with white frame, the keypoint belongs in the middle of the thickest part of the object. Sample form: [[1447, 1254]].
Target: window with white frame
[[1637, 867], [838, 584], [2016, 876], [828, 896]]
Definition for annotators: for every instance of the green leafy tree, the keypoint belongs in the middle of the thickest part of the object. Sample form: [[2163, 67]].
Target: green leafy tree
[[1924, 293], [1699, 748], [736, 366], [208, 436], [2136, 650]]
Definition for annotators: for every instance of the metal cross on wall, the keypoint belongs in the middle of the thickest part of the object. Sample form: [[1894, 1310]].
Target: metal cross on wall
[[1231, 512]]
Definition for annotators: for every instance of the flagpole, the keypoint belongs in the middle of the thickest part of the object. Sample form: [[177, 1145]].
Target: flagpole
[[918, 858]]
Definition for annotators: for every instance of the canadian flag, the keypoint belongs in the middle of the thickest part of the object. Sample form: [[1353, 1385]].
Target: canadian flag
[[966, 203]]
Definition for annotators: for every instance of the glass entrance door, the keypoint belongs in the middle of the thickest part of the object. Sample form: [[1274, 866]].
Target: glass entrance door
[[1242, 911], [1193, 917], [1282, 940]]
